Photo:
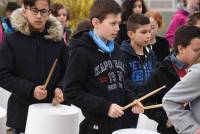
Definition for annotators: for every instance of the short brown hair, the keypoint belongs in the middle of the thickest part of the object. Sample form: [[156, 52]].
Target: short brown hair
[[55, 7], [156, 16], [83, 25], [32, 2], [135, 21], [101, 8]]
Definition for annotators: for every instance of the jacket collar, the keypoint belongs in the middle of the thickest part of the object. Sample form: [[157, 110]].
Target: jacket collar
[[20, 24], [172, 58], [126, 47]]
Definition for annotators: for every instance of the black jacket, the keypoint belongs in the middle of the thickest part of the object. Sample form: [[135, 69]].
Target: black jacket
[[122, 34], [26, 59], [164, 74], [93, 81], [160, 48]]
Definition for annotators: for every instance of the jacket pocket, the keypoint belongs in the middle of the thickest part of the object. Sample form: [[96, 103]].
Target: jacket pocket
[[92, 127]]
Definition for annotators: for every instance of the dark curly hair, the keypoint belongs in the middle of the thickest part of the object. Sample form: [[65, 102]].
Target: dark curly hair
[[127, 8]]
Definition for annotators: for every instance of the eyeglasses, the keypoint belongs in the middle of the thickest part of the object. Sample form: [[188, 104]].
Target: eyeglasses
[[35, 11]]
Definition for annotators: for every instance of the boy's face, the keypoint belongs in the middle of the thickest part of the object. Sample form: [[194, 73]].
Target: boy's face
[[37, 15], [190, 53], [108, 28], [141, 36]]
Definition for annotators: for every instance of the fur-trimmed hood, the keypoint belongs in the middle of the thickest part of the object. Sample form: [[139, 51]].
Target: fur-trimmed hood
[[20, 24]]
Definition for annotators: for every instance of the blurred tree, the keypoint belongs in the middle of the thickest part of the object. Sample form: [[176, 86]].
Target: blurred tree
[[78, 9], [19, 2], [3, 4]]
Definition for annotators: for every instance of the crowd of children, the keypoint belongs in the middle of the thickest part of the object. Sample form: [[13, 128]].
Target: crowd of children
[[112, 58]]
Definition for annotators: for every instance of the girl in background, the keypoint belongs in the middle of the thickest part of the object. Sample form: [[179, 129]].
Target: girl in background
[[59, 11], [129, 7], [184, 9], [158, 44]]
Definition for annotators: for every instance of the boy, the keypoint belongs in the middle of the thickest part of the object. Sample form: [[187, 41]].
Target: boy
[[170, 71], [139, 58], [94, 79], [187, 90], [26, 58]]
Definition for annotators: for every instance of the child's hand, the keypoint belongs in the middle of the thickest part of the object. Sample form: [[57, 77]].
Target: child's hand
[[168, 123], [197, 131], [138, 107], [58, 96], [115, 111], [39, 93]]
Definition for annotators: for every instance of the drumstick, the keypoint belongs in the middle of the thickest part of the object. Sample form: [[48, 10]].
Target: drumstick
[[144, 97], [50, 74], [152, 106]]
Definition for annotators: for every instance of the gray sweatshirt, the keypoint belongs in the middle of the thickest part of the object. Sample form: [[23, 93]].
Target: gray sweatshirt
[[185, 91]]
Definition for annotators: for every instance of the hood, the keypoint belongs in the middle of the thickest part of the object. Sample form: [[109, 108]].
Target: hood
[[82, 39], [182, 12], [20, 24], [166, 65], [126, 47]]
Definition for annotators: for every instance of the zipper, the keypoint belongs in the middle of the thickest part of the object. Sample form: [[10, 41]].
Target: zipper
[[143, 66], [115, 70]]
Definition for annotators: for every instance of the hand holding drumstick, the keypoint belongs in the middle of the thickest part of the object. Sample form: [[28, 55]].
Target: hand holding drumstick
[[58, 97], [116, 111], [40, 91], [137, 107]]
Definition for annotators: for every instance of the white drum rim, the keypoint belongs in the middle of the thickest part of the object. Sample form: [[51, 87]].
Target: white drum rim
[[145, 130], [33, 106]]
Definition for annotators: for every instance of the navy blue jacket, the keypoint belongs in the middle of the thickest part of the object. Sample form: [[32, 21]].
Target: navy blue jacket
[[138, 71]]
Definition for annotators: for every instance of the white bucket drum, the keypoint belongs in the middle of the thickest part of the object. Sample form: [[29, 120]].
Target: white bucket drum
[[2, 121], [45, 118], [4, 96], [134, 131]]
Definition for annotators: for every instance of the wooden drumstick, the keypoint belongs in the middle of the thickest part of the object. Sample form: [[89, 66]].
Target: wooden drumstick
[[50, 74], [152, 106], [144, 97]]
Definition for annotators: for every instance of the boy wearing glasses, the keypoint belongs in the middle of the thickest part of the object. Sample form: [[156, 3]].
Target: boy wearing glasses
[[26, 58]]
